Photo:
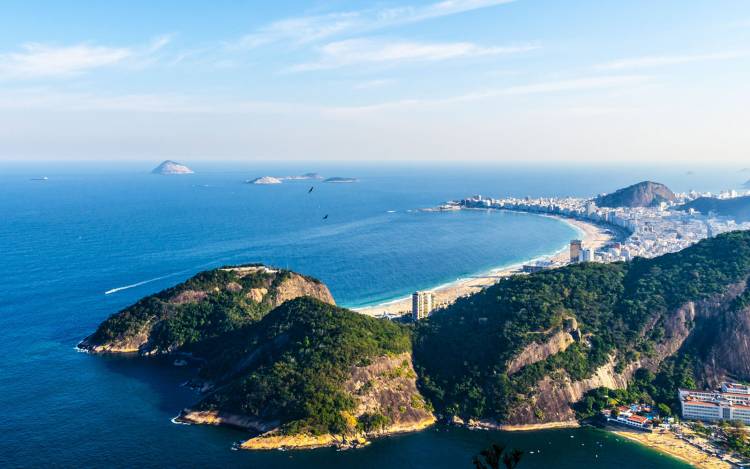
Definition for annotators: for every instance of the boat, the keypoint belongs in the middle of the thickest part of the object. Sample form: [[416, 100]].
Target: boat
[[43, 178]]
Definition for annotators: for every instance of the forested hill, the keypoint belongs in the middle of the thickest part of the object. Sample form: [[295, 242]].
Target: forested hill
[[207, 305], [524, 350]]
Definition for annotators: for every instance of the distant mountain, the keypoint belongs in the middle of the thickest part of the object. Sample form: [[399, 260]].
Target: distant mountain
[[340, 180], [265, 180], [643, 194], [302, 177], [737, 208], [170, 167]]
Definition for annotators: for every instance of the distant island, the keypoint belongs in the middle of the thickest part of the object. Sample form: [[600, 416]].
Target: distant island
[[170, 167], [340, 180], [265, 180], [533, 351], [642, 194], [302, 177]]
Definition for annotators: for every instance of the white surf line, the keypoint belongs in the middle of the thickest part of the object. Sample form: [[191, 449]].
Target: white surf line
[[126, 287]]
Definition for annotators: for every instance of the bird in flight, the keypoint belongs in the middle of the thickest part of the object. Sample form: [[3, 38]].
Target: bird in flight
[[311, 189]]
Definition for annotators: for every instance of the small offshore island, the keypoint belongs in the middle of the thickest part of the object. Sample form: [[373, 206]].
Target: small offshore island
[[172, 168], [545, 350]]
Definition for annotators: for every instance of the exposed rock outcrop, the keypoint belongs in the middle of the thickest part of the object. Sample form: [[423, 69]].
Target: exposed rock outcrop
[[553, 396], [385, 388], [536, 351]]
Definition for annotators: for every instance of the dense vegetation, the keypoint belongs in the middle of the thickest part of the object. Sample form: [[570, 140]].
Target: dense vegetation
[[218, 310], [300, 355], [461, 352]]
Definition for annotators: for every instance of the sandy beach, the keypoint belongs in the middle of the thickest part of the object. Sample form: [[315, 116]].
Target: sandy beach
[[593, 236], [666, 442]]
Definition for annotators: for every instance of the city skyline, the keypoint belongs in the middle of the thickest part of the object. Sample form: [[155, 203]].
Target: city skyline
[[490, 80]]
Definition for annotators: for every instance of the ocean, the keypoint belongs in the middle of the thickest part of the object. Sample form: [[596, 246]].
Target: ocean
[[94, 238]]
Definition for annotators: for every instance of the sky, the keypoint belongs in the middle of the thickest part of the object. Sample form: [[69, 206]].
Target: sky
[[531, 81]]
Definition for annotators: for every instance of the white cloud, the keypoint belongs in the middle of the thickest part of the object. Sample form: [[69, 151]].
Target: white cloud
[[579, 84], [305, 29], [36, 60], [369, 51], [40, 60], [658, 61]]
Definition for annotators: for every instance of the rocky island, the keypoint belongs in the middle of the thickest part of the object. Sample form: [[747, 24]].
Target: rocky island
[[532, 351], [265, 180], [170, 168], [302, 177]]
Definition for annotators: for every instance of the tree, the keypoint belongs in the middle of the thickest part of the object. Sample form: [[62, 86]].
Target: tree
[[664, 410], [492, 456]]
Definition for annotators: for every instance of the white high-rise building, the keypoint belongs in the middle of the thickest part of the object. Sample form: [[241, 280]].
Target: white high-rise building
[[421, 304]]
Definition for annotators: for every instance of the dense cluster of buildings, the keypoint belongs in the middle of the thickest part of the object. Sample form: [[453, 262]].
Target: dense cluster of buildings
[[651, 231], [730, 402]]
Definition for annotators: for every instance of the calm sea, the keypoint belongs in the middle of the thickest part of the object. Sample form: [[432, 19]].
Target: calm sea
[[90, 229]]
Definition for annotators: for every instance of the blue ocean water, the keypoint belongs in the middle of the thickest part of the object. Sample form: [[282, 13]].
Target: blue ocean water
[[94, 229]]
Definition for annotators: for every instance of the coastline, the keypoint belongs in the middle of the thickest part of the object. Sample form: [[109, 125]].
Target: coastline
[[592, 235], [666, 443]]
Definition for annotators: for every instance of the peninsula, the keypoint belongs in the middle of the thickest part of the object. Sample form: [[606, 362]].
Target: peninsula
[[280, 360]]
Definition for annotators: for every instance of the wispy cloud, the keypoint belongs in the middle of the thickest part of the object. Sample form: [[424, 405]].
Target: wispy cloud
[[371, 51], [36, 60], [562, 86], [306, 29], [664, 60]]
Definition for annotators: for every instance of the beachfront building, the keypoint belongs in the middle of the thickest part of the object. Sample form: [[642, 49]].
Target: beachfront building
[[421, 304], [731, 402], [576, 248], [637, 416]]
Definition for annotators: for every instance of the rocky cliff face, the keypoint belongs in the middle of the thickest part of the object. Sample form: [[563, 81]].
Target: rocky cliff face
[[553, 396], [208, 304], [643, 194], [385, 393]]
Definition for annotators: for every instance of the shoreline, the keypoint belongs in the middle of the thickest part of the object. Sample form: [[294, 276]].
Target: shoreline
[[592, 235], [668, 444]]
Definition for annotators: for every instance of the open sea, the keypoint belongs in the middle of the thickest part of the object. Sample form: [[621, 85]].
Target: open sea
[[94, 238]]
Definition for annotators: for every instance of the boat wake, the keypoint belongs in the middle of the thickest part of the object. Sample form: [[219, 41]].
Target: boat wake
[[127, 287]]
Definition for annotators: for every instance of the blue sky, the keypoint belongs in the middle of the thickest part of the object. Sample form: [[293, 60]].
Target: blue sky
[[488, 80]]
